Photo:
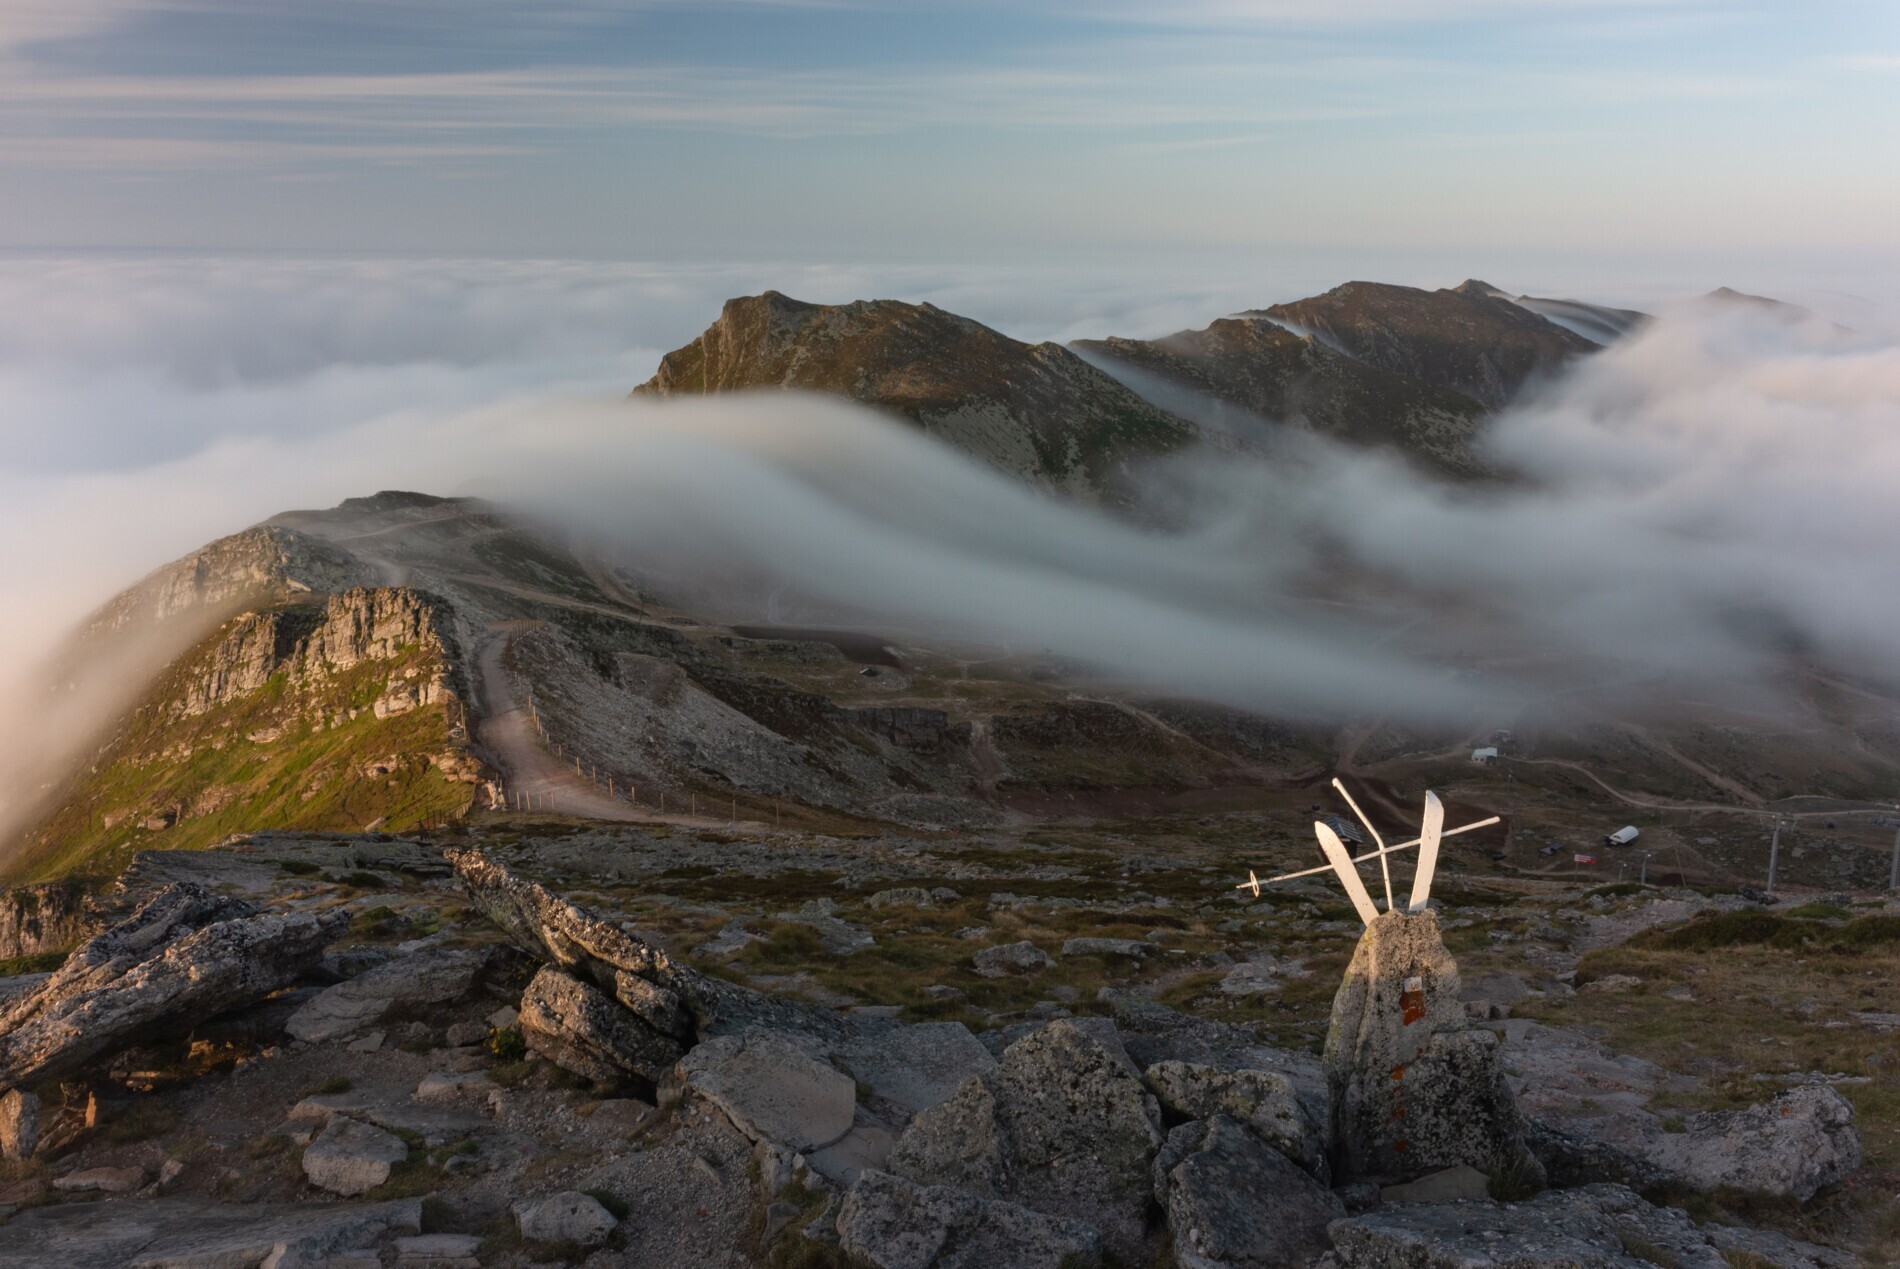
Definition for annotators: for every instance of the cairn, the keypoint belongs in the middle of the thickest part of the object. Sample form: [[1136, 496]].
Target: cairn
[[1413, 1089]]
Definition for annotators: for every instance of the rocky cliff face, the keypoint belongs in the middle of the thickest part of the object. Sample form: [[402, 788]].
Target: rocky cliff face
[[44, 918], [322, 716], [1301, 381], [1466, 338], [312, 644], [1034, 411], [261, 564]]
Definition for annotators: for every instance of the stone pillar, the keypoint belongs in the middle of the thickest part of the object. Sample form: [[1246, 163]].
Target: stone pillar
[[19, 1124], [1413, 1088]]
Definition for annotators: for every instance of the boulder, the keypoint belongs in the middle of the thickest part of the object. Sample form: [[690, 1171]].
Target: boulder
[[902, 897], [569, 1217], [590, 947], [101, 1181], [19, 1125], [1787, 1148], [774, 1086], [182, 957], [1264, 1101], [1061, 1125], [1011, 958], [1412, 1089], [350, 1157], [1595, 1227], [356, 1004], [1232, 1199], [890, 1223], [1108, 947], [582, 1029], [918, 1066]]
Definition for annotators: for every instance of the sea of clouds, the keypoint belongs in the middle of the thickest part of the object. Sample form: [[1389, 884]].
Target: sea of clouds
[[1711, 496]]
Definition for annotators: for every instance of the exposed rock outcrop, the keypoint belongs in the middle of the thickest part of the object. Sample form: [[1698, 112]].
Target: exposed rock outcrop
[[1062, 1125], [424, 978], [45, 918], [1232, 1199], [1790, 1147], [1264, 1101], [1595, 1227], [1412, 1089], [892, 1223], [183, 957], [580, 1028]]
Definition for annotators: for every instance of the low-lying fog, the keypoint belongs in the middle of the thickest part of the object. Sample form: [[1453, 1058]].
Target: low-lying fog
[[1705, 497]]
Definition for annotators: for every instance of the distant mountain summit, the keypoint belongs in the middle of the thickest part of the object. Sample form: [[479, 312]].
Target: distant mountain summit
[[1035, 411], [1469, 338], [1301, 381]]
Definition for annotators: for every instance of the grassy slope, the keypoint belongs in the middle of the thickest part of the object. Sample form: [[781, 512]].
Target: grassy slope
[[305, 779]]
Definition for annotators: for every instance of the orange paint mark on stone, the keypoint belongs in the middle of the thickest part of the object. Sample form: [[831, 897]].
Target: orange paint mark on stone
[[1412, 1000], [1398, 1073]]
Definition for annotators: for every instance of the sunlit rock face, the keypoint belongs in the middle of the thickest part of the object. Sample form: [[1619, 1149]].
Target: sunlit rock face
[[1412, 1088]]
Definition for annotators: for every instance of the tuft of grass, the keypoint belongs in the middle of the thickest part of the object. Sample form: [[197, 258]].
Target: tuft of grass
[[335, 1084], [140, 1121], [507, 1044], [299, 867], [36, 963]]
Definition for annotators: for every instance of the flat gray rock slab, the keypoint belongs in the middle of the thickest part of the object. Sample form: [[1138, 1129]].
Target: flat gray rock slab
[[350, 1157], [917, 1066], [174, 1233], [427, 977], [396, 1111], [1585, 1228], [775, 1087]]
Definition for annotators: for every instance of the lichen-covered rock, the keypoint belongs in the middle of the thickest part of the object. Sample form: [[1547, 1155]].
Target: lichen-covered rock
[[1595, 1227], [568, 1217], [350, 1157], [588, 946], [426, 978], [774, 1087], [183, 957], [1012, 958], [1233, 1199], [1412, 1089], [1265, 1101], [892, 1223], [580, 1028], [1787, 1148], [1062, 1125], [916, 1067]]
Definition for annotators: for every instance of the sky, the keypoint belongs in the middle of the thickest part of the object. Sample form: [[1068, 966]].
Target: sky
[[1710, 137]]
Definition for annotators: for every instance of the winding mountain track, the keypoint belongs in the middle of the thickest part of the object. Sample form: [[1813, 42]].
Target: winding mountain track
[[508, 733]]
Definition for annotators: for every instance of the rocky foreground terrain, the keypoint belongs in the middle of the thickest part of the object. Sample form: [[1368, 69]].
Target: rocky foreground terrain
[[548, 1041]]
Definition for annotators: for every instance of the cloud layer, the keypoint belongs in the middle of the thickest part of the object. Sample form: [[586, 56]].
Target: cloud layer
[[1708, 499]]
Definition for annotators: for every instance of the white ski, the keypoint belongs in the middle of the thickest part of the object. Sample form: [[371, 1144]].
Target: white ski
[[1341, 860], [1428, 837]]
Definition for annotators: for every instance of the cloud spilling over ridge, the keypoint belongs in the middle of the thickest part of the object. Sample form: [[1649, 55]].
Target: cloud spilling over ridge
[[1704, 498]]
